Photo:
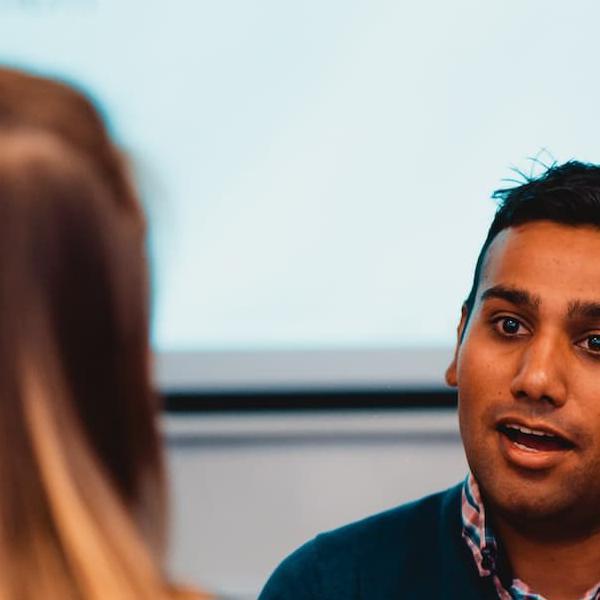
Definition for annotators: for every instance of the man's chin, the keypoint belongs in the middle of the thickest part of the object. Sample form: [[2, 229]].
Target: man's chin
[[532, 509], [540, 509], [538, 492]]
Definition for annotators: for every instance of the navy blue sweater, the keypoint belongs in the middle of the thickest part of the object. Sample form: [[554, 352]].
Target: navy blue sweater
[[415, 551]]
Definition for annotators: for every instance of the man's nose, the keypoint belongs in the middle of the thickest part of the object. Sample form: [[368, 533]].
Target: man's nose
[[541, 372]]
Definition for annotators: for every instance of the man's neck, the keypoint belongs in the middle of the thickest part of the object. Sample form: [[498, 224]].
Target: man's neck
[[558, 569]]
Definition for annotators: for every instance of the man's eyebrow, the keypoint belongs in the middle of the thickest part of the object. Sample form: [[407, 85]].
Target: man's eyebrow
[[578, 308], [513, 295]]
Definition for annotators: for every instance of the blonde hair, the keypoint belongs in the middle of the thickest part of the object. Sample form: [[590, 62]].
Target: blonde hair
[[82, 507]]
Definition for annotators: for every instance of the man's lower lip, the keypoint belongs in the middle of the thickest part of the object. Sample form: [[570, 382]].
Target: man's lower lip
[[530, 459]]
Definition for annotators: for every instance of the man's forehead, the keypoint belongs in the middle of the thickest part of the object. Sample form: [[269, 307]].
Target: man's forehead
[[547, 260]]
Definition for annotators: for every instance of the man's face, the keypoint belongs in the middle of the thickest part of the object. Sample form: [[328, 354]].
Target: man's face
[[528, 375]]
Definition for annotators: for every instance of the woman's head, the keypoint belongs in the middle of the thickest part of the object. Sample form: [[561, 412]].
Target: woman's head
[[58, 108], [82, 507], [80, 453], [68, 130]]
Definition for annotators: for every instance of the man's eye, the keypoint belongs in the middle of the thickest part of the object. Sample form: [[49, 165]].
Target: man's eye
[[511, 326], [592, 343]]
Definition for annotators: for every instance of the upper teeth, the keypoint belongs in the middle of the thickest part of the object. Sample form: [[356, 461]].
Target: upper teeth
[[530, 431]]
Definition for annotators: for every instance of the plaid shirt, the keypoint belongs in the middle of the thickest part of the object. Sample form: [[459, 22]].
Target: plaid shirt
[[484, 547]]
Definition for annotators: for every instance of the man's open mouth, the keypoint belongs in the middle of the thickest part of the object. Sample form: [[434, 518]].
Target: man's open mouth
[[534, 440]]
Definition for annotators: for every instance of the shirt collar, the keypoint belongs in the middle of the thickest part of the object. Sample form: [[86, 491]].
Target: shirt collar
[[476, 531]]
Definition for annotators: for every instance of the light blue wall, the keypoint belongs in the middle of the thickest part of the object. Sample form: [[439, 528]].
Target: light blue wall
[[317, 174]]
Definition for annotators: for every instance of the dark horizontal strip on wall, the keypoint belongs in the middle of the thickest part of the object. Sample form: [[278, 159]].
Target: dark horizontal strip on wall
[[239, 440], [190, 402]]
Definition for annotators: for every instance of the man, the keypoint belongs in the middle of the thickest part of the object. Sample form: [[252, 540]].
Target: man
[[525, 524]]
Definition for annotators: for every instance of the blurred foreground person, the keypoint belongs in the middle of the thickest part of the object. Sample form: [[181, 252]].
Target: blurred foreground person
[[525, 523], [82, 507]]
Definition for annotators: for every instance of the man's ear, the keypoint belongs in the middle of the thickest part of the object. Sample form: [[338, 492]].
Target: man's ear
[[451, 378]]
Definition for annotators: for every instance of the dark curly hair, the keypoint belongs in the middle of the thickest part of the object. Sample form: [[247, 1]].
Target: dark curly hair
[[568, 194]]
